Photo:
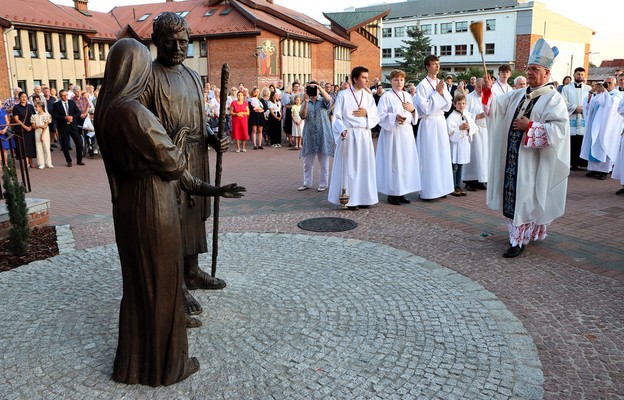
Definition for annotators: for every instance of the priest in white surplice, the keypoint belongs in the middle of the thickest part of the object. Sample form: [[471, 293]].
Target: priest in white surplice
[[476, 171], [432, 100], [355, 113], [529, 152], [603, 128], [575, 94], [397, 159], [618, 169]]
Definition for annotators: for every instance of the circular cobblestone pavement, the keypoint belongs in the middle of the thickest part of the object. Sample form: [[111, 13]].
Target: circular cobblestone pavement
[[302, 317]]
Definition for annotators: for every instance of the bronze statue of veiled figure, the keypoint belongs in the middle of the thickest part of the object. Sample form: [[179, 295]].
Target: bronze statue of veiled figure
[[143, 166]]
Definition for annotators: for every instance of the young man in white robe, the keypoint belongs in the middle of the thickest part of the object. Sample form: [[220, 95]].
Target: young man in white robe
[[355, 113], [397, 159], [603, 129], [476, 171], [432, 100], [461, 128], [618, 168], [501, 86], [575, 94], [529, 152]]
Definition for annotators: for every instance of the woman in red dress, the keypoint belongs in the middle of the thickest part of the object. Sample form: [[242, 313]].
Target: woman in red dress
[[239, 110]]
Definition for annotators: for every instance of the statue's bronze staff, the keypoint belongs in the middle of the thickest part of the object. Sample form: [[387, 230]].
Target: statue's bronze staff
[[225, 77]]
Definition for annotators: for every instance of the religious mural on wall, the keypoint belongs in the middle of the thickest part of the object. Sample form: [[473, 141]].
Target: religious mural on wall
[[267, 58]]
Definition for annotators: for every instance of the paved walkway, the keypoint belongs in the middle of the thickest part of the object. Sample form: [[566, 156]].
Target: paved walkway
[[566, 291]]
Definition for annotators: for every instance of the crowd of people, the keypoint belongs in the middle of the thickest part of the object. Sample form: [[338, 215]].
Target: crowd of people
[[43, 119]]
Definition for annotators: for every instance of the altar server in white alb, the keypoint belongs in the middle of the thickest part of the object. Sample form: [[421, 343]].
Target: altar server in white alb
[[618, 169], [530, 152], [397, 159], [501, 86], [432, 100], [603, 129], [476, 171], [355, 113], [461, 129]]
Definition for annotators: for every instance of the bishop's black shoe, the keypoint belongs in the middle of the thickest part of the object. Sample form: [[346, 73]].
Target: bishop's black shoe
[[513, 251], [394, 200], [404, 200]]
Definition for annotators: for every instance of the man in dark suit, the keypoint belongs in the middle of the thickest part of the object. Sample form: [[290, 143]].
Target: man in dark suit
[[66, 114]]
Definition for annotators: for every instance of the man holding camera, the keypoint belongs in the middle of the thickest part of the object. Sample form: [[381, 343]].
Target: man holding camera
[[317, 135]]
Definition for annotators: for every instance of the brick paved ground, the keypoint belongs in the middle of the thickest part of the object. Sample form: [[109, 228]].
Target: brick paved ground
[[566, 290]]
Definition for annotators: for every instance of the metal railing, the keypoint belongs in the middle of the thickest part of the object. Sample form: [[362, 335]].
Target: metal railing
[[17, 151]]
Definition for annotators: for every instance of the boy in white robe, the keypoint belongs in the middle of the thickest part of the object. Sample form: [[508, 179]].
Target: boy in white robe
[[397, 159], [529, 152], [355, 113], [461, 129], [432, 100]]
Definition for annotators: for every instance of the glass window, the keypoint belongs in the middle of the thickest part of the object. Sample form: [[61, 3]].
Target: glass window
[[210, 12], [490, 48], [446, 28], [144, 17], [426, 29], [183, 14], [79, 83], [76, 47], [17, 48], [92, 51], [386, 53], [62, 45], [386, 32], [32, 42], [399, 31], [461, 26], [22, 85], [203, 49], [461, 49], [101, 52], [66, 84], [190, 51], [398, 52], [52, 84], [490, 24], [411, 29], [446, 50], [49, 50]]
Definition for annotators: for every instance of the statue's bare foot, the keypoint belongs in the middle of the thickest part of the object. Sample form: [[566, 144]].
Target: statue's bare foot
[[191, 306], [202, 280], [192, 322], [192, 366]]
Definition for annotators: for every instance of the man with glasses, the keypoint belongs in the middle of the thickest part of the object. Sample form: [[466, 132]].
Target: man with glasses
[[530, 152]]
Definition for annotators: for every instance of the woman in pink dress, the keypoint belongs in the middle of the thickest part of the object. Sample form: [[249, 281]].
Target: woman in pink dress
[[239, 110]]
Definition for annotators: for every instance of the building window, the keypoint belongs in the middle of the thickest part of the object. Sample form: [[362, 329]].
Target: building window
[[446, 50], [386, 53], [91, 50], [76, 47], [426, 29], [446, 28], [32, 42], [144, 17], [386, 32], [461, 50], [210, 12], [22, 85], [432, 50], [190, 51], [472, 49], [461, 26], [65, 84], [79, 84], [490, 48], [398, 52], [411, 29], [49, 50], [183, 14], [101, 55], [203, 49], [52, 84], [399, 31], [62, 45], [17, 48], [490, 24]]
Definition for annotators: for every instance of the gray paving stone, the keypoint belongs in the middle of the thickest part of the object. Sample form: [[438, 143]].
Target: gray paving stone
[[316, 317]]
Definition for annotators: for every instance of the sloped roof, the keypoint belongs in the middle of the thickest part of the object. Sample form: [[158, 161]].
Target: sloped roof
[[276, 25], [298, 19], [106, 27], [414, 8], [42, 14], [600, 73], [354, 19]]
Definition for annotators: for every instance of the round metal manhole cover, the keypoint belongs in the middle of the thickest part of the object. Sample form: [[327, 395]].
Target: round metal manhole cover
[[327, 224]]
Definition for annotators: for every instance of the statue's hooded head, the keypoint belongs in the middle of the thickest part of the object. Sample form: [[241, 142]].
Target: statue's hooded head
[[171, 37]]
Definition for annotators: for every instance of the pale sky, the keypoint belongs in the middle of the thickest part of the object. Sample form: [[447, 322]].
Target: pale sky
[[599, 15]]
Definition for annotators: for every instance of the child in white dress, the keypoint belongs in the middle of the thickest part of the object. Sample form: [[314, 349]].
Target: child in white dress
[[40, 121], [297, 125]]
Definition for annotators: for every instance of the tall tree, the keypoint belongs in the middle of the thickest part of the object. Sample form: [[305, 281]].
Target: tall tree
[[415, 49]]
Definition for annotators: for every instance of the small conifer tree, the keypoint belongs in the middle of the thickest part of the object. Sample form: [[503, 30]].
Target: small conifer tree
[[15, 198]]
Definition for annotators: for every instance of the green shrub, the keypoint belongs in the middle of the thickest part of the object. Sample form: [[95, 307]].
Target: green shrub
[[15, 198]]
